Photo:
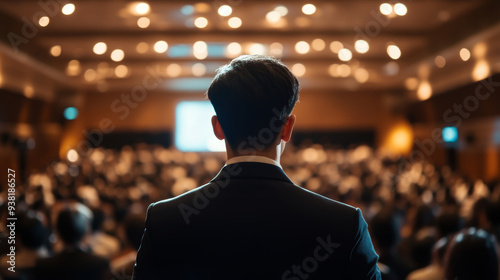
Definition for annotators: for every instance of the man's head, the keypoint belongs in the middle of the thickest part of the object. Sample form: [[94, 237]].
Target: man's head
[[253, 97], [73, 223]]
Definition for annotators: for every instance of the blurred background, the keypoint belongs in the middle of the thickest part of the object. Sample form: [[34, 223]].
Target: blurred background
[[103, 101]]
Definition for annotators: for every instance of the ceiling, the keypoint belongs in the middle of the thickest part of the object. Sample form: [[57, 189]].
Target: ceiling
[[429, 36]]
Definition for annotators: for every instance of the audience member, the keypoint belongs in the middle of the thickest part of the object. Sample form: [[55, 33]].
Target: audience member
[[73, 225], [472, 254]]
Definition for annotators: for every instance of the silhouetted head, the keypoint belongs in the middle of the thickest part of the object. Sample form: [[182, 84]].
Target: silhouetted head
[[472, 254], [73, 223], [253, 97], [31, 231]]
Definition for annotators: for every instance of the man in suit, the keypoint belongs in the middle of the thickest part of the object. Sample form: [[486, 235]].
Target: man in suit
[[251, 221]]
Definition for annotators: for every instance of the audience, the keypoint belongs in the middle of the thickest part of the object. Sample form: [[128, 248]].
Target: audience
[[412, 208]]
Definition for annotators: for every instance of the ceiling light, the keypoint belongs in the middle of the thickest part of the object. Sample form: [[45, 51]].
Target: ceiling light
[[276, 49], [424, 91], [440, 61], [298, 69], [464, 54], [481, 70], [225, 10], [345, 54], [386, 9], [199, 69], [282, 10], [142, 47], [234, 22], [200, 22], [121, 71], [361, 75], [55, 50], [100, 48], [73, 68], [308, 9], [393, 51], [411, 83], [117, 55], [44, 21], [233, 50], [302, 47], [336, 46], [200, 50], [160, 47], [90, 75], [400, 9], [68, 9], [257, 48], [332, 70], [273, 16], [143, 22], [174, 70], [318, 44], [361, 46], [142, 8]]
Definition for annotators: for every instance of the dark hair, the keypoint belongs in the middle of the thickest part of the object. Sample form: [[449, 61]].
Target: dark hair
[[31, 230], [253, 96], [72, 225], [472, 254]]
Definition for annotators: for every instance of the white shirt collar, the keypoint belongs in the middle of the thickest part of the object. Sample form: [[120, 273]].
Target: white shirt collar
[[260, 159]]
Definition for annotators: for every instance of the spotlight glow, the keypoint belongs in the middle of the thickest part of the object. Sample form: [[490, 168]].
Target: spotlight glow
[[318, 44], [308, 9], [68, 9], [225, 10], [336, 46], [143, 22], [142, 8], [199, 69], [234, 22], [298, 69], [400, 9], [43, 21], [345, 54], [233, 50], [386, 9], [361, 46], [394, 52], [100, 48], [424, 91], [302, 47], [200, 22], [160, 47], [273, 16], [55, 51], [117, 55], [464, 54]]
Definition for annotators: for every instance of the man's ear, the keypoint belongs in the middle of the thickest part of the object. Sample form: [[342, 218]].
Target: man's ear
[[217, 128], [286, 134]]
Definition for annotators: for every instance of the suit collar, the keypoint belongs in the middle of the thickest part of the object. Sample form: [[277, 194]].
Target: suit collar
[[252, 170]]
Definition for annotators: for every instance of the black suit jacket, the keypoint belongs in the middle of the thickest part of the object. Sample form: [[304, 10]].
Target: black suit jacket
[[252, 222]]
